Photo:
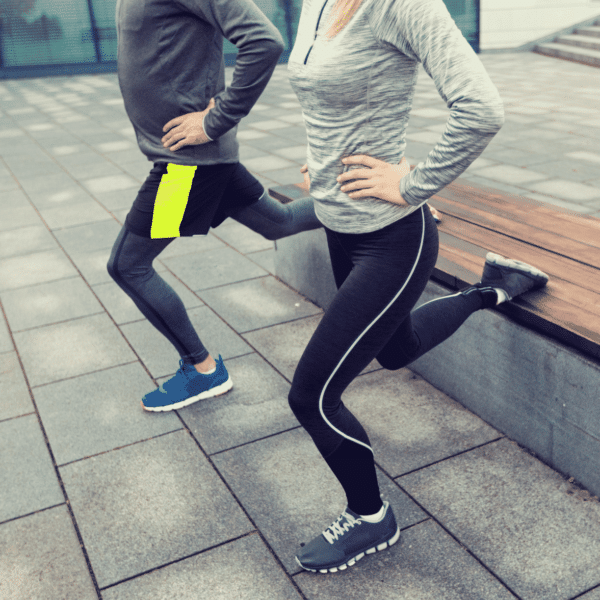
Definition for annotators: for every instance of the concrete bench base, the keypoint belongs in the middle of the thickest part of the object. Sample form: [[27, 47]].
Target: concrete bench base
[[538, 392]]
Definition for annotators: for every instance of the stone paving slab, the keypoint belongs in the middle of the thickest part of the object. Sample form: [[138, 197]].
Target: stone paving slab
[[593, 595], [264, 259], [410, 423], [149, 504], [517, 516], [20, 271], [88, 238], [38, 305], [6, 344], [426, 564], [71, 348], [27, 478], [81, 422], [161, 358], [213, 268], [291, 494], [283, 345], [256, 407], [40, 558], [241, 570], [257, 303], [13, 389], [25, 240]]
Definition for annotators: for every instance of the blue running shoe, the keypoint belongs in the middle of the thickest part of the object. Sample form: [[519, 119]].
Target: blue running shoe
[[347, 540], [186, 387]]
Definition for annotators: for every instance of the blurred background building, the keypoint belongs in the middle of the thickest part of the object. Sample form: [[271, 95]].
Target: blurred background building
[[62, 37]]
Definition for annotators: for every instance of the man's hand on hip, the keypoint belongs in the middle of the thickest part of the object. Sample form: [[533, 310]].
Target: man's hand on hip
[[186, 130]]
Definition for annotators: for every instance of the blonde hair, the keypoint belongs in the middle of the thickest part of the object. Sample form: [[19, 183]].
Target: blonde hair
[[340, 16]]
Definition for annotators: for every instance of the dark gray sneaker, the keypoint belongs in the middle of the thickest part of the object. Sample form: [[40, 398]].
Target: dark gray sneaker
[[512, 276], [347, 540]]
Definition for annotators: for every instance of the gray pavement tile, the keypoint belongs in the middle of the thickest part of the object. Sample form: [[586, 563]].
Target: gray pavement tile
[[267, 477], [117, 200], [83, 157], [190, 245], [286, 176], [410, 423], [39, 267], [264, 259], [592, 595], [32, 183], [15, 215], [511, 175], [161, 358], [13, 389], [241, 238], [243, 569], [562, 204], [80, 213], [257, 303], [110, 183], [212, 268], [103, 169], [26, 240], [566, 190], [101, 411], [517, 517], [8, 183], [266, 143], [40, 558], [87, 238], [427, 564], [138, 170], [6, 344], [60, 198], [283, 345], [47, 303], [122, 308], [151, 503], [71, 348], [27, 478], [256, 407]]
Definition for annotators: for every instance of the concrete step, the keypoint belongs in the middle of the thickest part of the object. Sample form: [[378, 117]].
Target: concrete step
[[592, 31], [573, 53], [579, 41]]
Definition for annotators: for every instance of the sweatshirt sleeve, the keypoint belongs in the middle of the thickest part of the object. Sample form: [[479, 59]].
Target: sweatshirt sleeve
[[425, 31], [260, 45]]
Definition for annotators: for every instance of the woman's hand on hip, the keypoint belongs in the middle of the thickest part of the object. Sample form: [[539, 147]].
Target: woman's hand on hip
[[304, 171], [186, 130], [380, 180]]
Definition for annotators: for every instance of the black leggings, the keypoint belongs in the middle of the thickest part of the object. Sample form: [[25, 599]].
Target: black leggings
[[380, 277], [130, 265]]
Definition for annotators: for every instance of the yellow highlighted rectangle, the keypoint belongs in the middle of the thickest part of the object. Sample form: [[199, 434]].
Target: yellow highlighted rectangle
[[171, 200]]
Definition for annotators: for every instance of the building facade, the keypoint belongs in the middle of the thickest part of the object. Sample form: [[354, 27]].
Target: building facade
[[66, 37]]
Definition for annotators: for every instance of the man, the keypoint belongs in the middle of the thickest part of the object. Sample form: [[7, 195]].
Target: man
[[172, 78]]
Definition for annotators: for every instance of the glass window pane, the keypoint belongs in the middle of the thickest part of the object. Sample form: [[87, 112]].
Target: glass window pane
[[104, 13], [45, 32]]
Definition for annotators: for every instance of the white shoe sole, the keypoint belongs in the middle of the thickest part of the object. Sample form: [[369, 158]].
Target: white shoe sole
[[496, 259], [216, 391], [354, 560]]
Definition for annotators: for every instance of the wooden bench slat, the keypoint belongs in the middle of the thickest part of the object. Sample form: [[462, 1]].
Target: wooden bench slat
[[583, 276], [581, 228], [547, 240]]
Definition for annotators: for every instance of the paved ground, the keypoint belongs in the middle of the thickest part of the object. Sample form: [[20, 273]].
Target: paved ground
[[99, 499]]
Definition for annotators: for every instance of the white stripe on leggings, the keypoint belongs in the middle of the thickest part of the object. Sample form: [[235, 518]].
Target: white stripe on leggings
[[363, 333]]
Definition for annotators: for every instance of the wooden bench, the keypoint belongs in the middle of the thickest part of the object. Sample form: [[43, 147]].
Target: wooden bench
[[531, 367], [478, 219]]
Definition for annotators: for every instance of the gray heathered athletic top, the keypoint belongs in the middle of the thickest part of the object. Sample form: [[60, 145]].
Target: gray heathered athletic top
[[356, 93], [170, 62]]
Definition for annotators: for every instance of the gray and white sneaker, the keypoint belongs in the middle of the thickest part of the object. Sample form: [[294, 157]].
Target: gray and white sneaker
[[347, 540], [512, 276]]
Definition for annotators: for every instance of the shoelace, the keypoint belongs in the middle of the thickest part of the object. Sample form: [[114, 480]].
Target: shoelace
[[335, 530]]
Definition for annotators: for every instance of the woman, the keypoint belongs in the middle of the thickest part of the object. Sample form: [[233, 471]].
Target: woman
[[354, 69]]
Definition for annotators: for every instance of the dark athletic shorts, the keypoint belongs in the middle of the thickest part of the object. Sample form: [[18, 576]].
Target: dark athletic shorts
[[178, 200]]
